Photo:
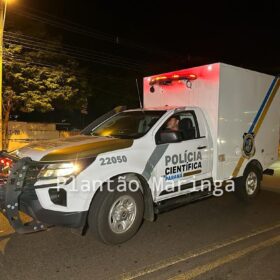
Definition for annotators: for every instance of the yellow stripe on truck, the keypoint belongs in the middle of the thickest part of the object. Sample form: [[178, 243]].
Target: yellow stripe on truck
[[258, 125], [238, 166], [267, 106]]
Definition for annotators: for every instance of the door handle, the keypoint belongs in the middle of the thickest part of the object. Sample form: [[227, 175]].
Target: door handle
[[201, 147]]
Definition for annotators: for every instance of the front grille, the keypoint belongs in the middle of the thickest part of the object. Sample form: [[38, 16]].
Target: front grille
[[32, 173]]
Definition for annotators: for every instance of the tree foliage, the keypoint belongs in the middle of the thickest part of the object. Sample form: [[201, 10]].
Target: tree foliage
[[35, 80], [35, 86]]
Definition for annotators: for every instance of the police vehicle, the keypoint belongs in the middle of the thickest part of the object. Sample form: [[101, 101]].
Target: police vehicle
[[200, 127]]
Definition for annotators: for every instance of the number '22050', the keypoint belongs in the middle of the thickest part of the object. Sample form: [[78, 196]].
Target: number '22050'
[[113, 160]]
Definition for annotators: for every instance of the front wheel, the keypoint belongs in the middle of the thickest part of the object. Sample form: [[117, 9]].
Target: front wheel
[[249, 186], [114, 216]]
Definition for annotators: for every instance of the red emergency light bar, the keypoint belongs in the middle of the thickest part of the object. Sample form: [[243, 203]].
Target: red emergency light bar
[[164, 80]]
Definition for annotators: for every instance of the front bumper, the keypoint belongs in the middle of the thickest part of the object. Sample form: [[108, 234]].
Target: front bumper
[[15, 197], [29, 204]]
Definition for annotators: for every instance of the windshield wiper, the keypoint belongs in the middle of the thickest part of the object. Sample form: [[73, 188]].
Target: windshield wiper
[[94, 134], [98, 135], [123, 136]]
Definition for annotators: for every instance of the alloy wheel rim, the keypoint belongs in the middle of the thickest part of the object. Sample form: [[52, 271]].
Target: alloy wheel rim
[[251, 183], [122, 214]]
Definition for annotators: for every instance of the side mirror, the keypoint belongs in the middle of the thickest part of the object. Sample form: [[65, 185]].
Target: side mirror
[[169, 137]]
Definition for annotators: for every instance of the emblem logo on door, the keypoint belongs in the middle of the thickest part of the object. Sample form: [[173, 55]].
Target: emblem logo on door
[[249, 148]]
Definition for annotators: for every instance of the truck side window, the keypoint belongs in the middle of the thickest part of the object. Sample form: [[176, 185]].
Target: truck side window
[[188, 126], [185, 123]]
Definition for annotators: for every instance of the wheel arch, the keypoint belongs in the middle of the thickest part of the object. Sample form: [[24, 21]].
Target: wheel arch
[[149, 213], [256, 163]]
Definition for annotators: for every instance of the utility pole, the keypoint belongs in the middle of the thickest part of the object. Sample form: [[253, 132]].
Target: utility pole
[[3, 9], [2, 16]]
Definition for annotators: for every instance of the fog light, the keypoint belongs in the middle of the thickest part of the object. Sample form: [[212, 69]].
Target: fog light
[[58, 196]]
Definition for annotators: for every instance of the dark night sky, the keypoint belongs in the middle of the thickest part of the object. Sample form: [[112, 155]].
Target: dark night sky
[[168, 35], [243, 33]]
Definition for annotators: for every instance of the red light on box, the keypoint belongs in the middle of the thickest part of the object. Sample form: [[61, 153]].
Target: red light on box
[[192, 77], [157, 80], [174, 77], [161, 78]]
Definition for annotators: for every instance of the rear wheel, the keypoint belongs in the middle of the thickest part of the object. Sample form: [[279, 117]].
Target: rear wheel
[[114, 216], [249, 185]]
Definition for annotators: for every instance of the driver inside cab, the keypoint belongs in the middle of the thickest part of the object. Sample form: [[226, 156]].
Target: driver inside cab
[[172, 124]]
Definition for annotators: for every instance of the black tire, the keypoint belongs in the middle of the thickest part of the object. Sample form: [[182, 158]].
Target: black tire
[[243, 189], [98, 218]]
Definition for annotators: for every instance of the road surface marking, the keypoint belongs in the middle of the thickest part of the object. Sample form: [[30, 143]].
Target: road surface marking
[[226, 259], [189, 255]]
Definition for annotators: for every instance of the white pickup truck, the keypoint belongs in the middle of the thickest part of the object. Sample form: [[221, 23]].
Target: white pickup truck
[[201, 129]]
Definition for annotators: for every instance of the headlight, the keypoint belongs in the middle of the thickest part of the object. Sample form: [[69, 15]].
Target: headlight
[[59, 170], [65, 169]]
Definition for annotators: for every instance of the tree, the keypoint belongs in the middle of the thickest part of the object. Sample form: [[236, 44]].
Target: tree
[[36, 80]]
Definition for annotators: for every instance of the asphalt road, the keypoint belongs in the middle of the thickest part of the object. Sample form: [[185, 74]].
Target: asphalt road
[[218, 238]]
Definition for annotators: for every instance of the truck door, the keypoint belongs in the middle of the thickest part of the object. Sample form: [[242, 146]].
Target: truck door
[[186, 159]]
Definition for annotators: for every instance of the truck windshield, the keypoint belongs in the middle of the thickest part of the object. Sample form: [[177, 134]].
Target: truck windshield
[[130, 124]]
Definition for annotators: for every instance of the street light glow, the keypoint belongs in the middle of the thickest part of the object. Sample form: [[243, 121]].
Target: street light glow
[[11, 1]]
